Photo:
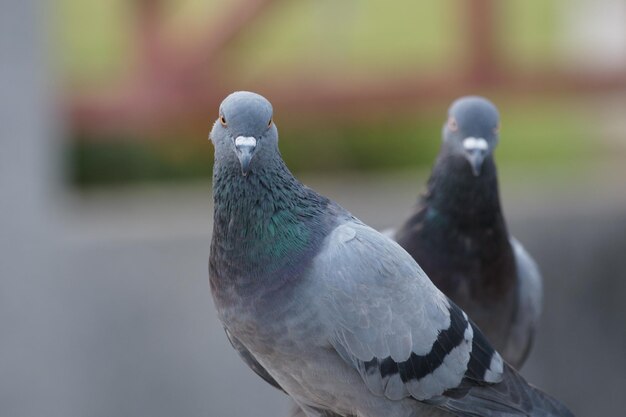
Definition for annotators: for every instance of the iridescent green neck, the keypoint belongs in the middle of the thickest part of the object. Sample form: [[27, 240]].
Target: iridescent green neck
[[265, 223]]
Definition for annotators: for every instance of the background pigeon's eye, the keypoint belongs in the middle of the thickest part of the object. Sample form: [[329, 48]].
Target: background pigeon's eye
[[223, 120], [270, 123], [496, 129], [452, 125]]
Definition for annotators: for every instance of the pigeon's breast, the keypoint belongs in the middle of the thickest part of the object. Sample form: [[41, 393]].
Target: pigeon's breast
[[277, 325]]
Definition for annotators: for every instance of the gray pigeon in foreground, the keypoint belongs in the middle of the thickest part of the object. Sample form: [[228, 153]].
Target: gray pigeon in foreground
[[331, 311], [459, 237]]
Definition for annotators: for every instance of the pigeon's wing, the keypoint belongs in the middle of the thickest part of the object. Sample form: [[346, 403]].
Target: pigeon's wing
[[530, 294], [406, 339], [251, 361]]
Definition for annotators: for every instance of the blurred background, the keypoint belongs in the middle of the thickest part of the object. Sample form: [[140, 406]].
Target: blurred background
[[105, 214]]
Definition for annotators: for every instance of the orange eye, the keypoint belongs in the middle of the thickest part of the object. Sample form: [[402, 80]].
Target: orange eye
[[223, 120], [496, 129], [452, 125], [269, 124]]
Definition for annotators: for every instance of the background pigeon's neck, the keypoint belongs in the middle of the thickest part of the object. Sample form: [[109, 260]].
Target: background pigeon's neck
[[459, 236], [265, 225], [457, 196], [459, 217]]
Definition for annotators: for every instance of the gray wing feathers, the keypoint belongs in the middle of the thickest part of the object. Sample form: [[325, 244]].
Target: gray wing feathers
[[379, 300], [386, 310], [530, 297], [405, 338]]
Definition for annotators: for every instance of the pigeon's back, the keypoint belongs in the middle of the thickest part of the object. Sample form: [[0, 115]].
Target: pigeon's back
[[530, 297]]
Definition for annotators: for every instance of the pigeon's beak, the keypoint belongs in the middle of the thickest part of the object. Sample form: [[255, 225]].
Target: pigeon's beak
[[245, 147], [475, 152]]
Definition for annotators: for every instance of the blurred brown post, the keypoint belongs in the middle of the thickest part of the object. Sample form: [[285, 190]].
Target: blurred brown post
[[481, 41], [226, 28], [148, 21]]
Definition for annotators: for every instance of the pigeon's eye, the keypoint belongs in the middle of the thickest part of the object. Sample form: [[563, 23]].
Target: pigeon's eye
[[269, 124], [452, 125], [223, 120], [496, 129]]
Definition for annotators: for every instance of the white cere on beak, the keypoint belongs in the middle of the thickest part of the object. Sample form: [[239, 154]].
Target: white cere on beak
[[245, 141], [473, 143]]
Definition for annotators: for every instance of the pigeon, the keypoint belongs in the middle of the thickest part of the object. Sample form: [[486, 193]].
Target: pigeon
[[458, 234], [336, 314]]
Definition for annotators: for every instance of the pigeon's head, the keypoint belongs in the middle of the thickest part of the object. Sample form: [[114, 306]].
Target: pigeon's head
[[472, 130], [244, 129]]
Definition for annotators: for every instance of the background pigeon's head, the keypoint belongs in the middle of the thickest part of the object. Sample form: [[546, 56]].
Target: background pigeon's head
[[245, 130], [472, 129]]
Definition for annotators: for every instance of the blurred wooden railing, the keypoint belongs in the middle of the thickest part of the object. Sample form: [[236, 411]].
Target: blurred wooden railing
[[174, 88]]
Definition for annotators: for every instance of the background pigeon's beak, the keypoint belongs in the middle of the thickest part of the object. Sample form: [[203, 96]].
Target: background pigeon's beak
[[475, 152], [475, 159], [245, 147]]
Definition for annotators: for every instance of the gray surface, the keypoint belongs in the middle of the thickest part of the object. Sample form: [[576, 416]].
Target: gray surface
[[31, 360], [142, 338]]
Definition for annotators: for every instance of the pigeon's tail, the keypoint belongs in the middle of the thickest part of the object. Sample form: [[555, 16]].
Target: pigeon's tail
[[511, 397]]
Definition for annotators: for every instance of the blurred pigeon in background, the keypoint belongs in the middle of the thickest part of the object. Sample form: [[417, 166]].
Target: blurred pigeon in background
[[339, 316], [459, 237]]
